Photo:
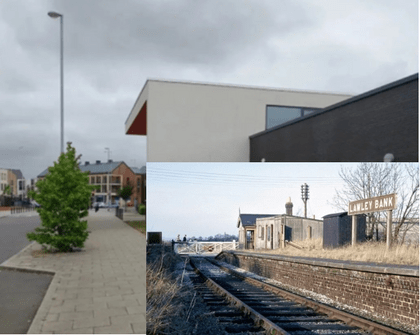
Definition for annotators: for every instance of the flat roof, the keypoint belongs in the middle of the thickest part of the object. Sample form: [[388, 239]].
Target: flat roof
[[265, 88]]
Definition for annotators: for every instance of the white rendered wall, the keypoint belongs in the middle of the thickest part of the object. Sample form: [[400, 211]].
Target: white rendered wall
[[190, 122]]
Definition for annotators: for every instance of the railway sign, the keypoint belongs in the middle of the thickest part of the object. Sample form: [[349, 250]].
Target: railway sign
[[382, 203], [376, 204]]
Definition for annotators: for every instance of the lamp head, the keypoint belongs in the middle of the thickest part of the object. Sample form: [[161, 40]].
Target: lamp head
[[54, 15]]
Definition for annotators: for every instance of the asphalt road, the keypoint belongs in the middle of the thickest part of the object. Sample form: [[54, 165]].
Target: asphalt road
[[13, 234], [21, 293]]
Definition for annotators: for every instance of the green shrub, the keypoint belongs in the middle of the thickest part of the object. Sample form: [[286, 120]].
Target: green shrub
[[64, 197], [142, 209]]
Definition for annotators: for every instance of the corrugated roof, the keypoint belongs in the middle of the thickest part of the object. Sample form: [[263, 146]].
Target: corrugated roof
[[249, 219]]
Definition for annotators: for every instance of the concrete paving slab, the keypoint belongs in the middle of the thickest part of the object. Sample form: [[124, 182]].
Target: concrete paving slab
[[90, 287]]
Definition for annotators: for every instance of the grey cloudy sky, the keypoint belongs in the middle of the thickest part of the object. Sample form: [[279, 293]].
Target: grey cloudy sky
[[112, 47]]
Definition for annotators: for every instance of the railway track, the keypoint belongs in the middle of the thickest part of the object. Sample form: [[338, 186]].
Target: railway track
[[245, 305]]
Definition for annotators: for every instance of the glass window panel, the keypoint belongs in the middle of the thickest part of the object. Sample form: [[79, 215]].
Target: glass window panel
[[278, 115], [309, 111]]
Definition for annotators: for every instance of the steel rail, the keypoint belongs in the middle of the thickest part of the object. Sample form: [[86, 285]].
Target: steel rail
[[259, 319], [348, 318]]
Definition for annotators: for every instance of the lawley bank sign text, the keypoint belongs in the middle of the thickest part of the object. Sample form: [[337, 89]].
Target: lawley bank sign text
[[376, 204]]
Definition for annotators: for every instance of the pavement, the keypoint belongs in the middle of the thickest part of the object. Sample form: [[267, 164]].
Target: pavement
[[24, 214], [101, 289]]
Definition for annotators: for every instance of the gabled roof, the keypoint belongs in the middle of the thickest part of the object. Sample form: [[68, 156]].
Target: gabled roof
[[100, 168], [17, 173], [248, 220], [142, 170], [107, 167]]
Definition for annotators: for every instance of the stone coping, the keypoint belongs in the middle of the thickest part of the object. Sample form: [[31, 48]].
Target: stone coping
[[402, 270]]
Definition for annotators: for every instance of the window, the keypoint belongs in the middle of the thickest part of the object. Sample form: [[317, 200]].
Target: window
[[262, 232], [277, 115]]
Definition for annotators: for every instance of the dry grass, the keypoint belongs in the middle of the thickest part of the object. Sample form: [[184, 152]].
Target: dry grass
[[161, 293], [363, 252]]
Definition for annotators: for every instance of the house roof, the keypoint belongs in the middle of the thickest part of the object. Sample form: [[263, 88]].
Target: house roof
[[107, 167], [248, 220], [17, 173], [142, 170]]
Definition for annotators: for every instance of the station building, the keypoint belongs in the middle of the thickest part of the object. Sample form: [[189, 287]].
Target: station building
[[265, 231]]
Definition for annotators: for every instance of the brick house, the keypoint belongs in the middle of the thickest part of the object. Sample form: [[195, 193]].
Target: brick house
[[110, 177], [12, 180]]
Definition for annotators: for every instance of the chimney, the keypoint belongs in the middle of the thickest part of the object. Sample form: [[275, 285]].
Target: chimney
[[109, 160], [289, 207], [98, 162], [86, 163]]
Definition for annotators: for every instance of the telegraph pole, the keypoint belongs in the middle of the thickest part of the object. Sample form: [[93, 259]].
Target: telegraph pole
[[305, 195]]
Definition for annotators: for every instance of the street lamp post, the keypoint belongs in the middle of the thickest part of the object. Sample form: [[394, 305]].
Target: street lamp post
[[55, 15], [108, 181]]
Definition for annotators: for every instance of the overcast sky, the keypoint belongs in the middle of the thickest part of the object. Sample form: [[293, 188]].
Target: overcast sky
[[112, 47], [203, 199]]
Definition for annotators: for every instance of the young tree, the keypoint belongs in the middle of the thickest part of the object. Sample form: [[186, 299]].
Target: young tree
[[64, 197], [125, 192], [374, 179], [7, 190]]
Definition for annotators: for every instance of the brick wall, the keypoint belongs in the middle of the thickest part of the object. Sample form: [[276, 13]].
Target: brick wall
[[390, 292], [126, 172], [362, 131]]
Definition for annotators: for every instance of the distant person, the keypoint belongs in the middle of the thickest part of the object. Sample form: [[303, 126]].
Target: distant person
[[178, 238], [97, 207], [185, 238]]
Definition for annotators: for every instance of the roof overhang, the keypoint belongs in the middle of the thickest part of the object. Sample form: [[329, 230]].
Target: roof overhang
[[136, 123]]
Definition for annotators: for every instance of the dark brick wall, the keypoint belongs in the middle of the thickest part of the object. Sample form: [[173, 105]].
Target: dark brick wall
[[362, 131], [392, 296]]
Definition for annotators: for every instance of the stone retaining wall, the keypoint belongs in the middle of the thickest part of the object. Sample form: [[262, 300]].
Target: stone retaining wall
[[391, 292]]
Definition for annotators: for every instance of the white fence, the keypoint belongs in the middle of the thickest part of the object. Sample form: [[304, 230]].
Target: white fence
[[204, 247]]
